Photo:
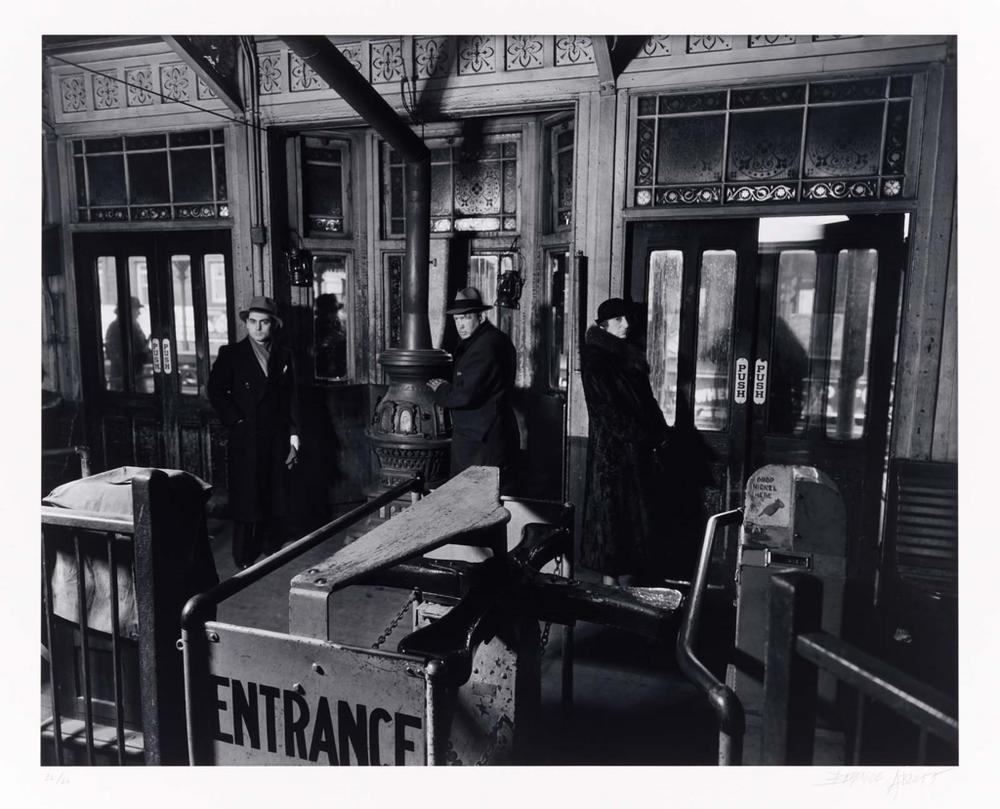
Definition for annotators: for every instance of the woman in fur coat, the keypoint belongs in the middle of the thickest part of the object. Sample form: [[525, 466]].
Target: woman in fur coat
[[624, 517]]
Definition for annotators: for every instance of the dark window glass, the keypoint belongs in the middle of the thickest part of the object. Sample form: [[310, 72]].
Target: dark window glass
[[81, 181], [689, 150], [107, 180], [847, 90], [900, 86], [147, 173], [101, 145], [146, 142], [764, 145], [692, 102], [156, 171], [768, 96], [201, 137], [221, 192], [844, 141], [192, 175], [324, 191]]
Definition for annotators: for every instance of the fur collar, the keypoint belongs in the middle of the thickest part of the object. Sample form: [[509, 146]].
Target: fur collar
[[599, 340]]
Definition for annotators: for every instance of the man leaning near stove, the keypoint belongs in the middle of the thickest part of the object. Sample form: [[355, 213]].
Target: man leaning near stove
[[484, 427], [252, 389]]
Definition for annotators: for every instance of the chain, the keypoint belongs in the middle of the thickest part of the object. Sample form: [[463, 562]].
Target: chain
[[414, 596], [548, 624], [545, 635]]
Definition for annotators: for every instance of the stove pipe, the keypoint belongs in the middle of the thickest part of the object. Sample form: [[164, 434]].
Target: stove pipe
[[409, 433]]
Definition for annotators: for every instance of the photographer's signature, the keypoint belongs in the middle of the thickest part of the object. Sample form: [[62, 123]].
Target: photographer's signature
[[893, 781]]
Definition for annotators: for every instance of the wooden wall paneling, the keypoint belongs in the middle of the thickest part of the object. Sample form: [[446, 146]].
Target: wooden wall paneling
[[377, 306], [192, 459], [361, 192], [926, 278], [623, 173], [246, 282], [945, 446], [529, 168], [70, 366]]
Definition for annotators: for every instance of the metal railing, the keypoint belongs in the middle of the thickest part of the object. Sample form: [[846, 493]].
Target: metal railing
[[726, 705], [166, 509], [797, 649], [100, 538]]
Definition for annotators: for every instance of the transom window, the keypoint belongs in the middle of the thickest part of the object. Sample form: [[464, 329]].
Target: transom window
[[472, 190], [324, 184], [810, 142], [144, 178]]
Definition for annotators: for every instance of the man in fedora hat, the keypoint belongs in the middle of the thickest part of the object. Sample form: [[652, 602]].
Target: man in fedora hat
[[484, 429], [252, 389], [136, 339]]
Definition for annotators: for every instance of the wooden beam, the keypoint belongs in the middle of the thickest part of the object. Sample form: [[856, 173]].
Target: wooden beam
[[225, 87], [606, 76]]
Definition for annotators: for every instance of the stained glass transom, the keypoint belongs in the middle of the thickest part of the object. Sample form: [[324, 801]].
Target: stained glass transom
[[816, 141], [471, 190], [148, 178]]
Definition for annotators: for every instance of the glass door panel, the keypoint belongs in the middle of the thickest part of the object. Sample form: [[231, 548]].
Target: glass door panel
[[798, 380], [139, 327], [850, 343], [185, 341], [216, 304], [112, 351], [716, 314], [666, 269]]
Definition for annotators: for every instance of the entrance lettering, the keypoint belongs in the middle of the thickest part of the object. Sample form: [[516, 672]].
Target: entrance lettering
[[340, 734]]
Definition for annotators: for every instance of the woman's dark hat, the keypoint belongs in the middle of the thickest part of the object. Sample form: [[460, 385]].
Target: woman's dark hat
[[612, 308], [267, 306], [467, 300]]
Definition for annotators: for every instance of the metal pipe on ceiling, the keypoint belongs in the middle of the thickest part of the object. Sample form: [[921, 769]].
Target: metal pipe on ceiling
[[323, 57]]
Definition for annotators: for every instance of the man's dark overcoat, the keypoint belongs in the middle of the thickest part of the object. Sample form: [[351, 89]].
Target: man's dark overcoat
[[484, 428], [624, 518], [260, 414]]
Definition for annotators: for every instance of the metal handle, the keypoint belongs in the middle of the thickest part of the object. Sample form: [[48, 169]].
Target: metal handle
[[157, 367], [723, 699], [167, 360]]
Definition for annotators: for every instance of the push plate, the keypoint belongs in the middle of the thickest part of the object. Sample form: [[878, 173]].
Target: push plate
[[156, 355], [759, 381], [167, 360], [286, 699], [742, 381]]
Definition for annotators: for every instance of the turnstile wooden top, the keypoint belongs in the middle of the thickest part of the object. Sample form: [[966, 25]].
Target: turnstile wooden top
[[459, 511]]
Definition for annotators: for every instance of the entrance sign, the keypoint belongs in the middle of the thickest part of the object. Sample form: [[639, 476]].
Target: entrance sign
[[283, 699]]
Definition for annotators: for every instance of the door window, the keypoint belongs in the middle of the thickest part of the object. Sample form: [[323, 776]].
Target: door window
[[850, 343], [798, 378], [184, 324], [666, 270], [330, 316], [112, 346], [716, 292], [216, 304]]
